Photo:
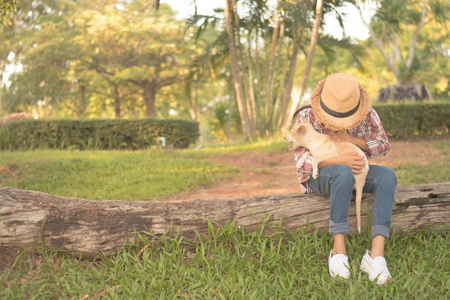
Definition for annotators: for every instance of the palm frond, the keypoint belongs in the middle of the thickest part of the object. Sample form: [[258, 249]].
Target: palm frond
[[200, 22]]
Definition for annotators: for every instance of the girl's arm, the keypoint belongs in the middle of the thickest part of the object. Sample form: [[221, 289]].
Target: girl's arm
[[352, 159]]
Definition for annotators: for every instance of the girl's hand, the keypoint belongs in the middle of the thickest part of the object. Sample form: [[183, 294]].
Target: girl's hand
[[355, 161], [352, 159]]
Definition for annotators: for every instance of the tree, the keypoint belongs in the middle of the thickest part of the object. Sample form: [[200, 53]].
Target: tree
[[75, 53], [148, 52], [60, 222], [6, 7], [309, 60], [243, 111], [324, 41], [395, 30], [263, 46], [39, 37]]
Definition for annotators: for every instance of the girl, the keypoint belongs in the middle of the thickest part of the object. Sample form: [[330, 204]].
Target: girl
[[340, 108]]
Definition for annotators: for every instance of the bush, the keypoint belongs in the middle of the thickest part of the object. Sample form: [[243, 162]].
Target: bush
[[402, 120], [96, 134]]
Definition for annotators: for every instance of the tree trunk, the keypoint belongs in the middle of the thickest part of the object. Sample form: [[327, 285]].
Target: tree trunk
[[90, 227], [149, 94], [251, 90], [83, 104], [117, 102], [289, 85], [281, 90], [309, 60], [412, 92], [229, 117], [235, 71], [270, 73], [259, 119], [412, 46], [193, 104], [243, 72], [275, 70], [2, 71], [387, 59]]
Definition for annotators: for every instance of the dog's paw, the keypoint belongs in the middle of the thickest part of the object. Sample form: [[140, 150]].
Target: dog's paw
[[315, 174]]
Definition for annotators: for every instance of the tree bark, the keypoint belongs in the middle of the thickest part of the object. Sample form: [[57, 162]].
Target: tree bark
[[90, 227], [309, 60], [149, 95], [117, 102], [83, 105], [243, 71], [412, 46], [289, 85], [235, 71], [281, 89], [251, 82], [270, 73]]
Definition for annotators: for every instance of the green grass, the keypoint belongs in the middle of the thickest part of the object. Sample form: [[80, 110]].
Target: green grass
[[109, 175], [435, 171], [269, 145], [414, 173], [228, 264], [233, 264], [156, 174]]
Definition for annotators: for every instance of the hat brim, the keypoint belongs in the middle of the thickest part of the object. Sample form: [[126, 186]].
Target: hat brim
[[339, 124]]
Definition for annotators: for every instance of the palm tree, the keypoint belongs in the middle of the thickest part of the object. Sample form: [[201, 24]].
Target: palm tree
[[309, 60], [243, 111], [262, 46]]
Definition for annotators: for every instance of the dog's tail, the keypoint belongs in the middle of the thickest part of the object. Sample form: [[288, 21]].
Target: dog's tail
[[358, 207]]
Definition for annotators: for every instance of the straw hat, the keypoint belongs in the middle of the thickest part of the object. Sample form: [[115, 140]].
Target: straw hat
[[340, 102]]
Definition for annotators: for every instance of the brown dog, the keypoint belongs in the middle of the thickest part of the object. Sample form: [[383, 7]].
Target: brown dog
[[320, 146]]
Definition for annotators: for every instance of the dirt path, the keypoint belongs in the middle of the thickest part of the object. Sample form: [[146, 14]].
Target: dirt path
[[274, 173]]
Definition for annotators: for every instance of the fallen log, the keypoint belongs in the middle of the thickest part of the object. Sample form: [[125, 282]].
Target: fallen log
[[90, 227]]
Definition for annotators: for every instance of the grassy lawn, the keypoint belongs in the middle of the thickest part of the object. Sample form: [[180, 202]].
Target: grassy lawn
[[233, 264], [228, 264], [113, 175], [155, 174], [438, 170]]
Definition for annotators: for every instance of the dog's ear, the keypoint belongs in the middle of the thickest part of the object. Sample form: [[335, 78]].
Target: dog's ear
[[298, 129]]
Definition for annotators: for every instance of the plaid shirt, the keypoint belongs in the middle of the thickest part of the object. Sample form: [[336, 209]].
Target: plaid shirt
[[371, 130]]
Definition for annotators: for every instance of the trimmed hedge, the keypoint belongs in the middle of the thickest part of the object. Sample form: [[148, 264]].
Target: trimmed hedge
[[96, 134], [402, 120]]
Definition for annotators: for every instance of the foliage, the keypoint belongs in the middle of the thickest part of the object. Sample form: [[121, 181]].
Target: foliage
[[6, 7], [115, 58], [415, 119], [232, 263], [114, 175], [96, 134], [410, 36], [268, 40], [92, 58], [133, 44]]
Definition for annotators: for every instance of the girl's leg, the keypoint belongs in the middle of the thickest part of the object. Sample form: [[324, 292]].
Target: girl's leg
[[381, 181], [336, 181]]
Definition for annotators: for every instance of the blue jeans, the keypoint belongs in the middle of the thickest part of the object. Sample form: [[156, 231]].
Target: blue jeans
[[337, 182]]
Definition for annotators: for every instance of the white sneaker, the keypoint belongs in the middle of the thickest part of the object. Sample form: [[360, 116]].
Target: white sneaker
[[338, 265], [376, 268]]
